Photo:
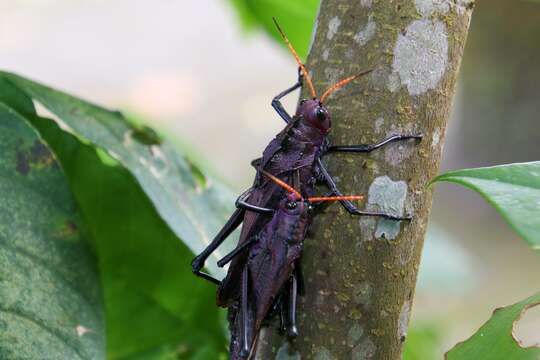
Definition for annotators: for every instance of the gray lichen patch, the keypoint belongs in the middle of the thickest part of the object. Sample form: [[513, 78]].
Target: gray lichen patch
[[379, 124], [428, 7], [367, 225], [286, 352], [393, 82], [366, 3], [366, 33], [325, 54], [421, 56], [389, 229], [333, 26], [363, 293], [396, 153], [364, 350], [322, 353], [355, 333], [403, 320], [436, 137], [387, 196]]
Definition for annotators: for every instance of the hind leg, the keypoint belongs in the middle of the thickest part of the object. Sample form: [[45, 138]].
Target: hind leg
[[198, 262], [290, 319], [244, 316], [239, 249]]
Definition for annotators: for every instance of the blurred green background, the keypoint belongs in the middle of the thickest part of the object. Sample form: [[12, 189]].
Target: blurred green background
[[204, 72]]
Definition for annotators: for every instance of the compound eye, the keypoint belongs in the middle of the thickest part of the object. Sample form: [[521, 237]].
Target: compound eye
[[321, 114], [291, 205]]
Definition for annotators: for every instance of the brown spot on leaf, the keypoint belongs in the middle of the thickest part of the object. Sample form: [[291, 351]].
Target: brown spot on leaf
[[71, 226], [23, 167], [146, 135], [68, 229], [37, 156], [40, 154], [199, 177]]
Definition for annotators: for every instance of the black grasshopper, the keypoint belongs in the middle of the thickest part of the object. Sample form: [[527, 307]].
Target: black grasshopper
[[294, 157]]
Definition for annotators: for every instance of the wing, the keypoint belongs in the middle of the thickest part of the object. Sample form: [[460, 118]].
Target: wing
[[292, 161], [267, 195]]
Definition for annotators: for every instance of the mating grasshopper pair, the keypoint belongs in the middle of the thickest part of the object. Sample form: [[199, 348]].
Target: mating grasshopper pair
[[264, 271]]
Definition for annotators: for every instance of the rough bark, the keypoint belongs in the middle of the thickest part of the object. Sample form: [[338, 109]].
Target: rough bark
[[361, 273]]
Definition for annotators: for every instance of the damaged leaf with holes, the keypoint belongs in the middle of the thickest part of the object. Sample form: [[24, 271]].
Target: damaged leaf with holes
[[51, 298], [496, 340], [193, 205]]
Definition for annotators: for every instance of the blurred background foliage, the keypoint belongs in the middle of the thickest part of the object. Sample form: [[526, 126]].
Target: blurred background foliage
[[298, 16], [188, 69]]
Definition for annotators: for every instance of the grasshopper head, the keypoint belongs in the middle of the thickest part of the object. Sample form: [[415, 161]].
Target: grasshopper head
[[315, 114]]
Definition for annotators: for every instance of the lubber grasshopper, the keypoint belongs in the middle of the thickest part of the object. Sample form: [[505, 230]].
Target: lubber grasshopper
[[294, 157], [269, 277]]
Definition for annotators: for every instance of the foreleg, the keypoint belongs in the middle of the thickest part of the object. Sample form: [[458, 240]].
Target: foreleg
[[292, 330], [276, 102], [244, 344]]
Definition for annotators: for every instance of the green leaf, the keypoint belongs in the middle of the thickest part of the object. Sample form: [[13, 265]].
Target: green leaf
[[514, 191], [51, 302], [295, 17], [155, 307], [494, 340], [194, 205], [423, 342], [244, 13]]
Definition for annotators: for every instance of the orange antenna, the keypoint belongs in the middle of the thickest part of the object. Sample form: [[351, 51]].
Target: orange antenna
[[342, 83], [282, 183], [302, 67], [335, 198], [289, 188]]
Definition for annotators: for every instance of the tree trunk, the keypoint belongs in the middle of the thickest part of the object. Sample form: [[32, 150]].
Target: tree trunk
[[360, 273]]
